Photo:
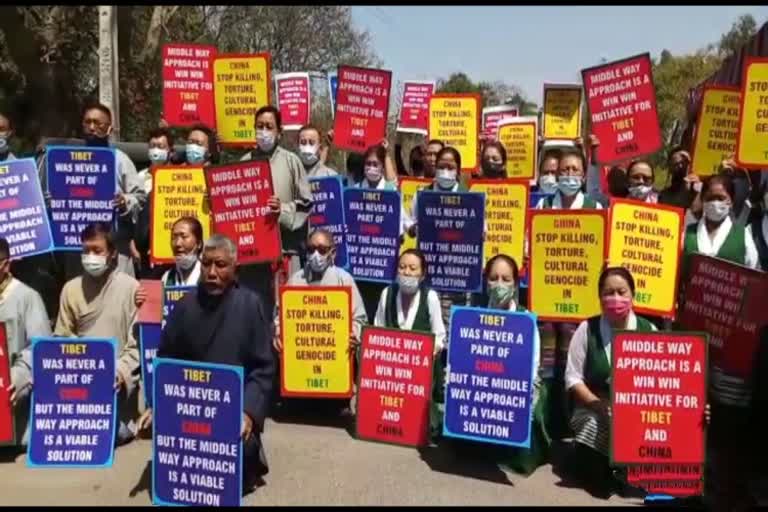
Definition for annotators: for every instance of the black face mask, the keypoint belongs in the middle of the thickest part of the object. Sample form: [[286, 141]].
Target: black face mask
[[493, 170], [95, 141], [679, 171]]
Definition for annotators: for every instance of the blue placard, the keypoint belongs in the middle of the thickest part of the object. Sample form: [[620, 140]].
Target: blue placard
[[450, 234], [535, 197], [333, 87], [82, 181], [149, 341], [73, 409], [172, 295], [23, 220], [197, 455], [328, 213], [489, 387], [373, 233]]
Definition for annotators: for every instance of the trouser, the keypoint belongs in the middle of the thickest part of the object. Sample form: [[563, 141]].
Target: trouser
[[555, 340], [127, 412], [254, 462], [729, 460]]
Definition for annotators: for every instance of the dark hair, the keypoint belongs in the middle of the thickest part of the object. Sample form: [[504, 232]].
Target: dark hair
[[377, 150], [453, 152], [499, 146], [213, 147], [550, 153], [675, 149], [420, 256], [435, 141], [508, 259], [5, 249], [637, 162], [161, 132], [194, 226], [96, 230], [416, 159], [573, 152], [97, 106], [615, 271], [723, 179], [309, 127], [269, 109], [355, 165]]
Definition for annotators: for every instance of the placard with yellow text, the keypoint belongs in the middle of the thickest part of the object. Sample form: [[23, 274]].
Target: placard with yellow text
[[408, 189], [506, 206], [752, 142], [716, 128], [562, 111], [455, 120], [520, 137]]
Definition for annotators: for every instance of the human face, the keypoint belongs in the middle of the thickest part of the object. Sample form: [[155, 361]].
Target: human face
[[97, 246], [217, 270], [492, 155], [267, 121], [96, 124], [431, 156], [410, 265], [309, 138], [501, 272], [321, 243], [160, 143], [641, 174], [183, 241], [5, 127], [447, 161], [616, 285], [679, 163], [570, 166], [200, 138], [549, 166]]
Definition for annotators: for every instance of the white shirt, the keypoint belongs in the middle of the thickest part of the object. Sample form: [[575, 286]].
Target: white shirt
[[405, 320], [557, 202], [145, 177], [710, 246], [191, 280]]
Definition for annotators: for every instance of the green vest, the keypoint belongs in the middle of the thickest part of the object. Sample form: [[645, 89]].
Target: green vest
[[734, 249], [589, 203], [420, 323]]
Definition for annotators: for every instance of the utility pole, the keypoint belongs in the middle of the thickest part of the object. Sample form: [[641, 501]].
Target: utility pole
[[109, 84]]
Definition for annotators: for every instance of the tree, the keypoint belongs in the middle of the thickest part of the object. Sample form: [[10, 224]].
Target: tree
[[492, 94], [742, 30]]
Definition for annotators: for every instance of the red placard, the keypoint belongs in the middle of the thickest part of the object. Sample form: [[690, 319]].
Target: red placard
[[187, 73], [622, 108], [727, 301], [151, 312], [492, 118], [414, 112], [239, 194], [362, 107], [658, 397], [293, 99], [395, 386], [678, 480], [7, 426]]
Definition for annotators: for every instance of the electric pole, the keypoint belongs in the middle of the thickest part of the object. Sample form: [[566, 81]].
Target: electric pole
[[109, 84]]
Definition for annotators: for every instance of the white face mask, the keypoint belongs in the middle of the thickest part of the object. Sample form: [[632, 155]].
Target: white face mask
[[548, 183], [640, 191], [569, 185], [186, 261], [319, 263], [265, 140], [409, 285], [716, 211], [94, 264], [308, 154], [158, 155], [373, 173], [446, 178]]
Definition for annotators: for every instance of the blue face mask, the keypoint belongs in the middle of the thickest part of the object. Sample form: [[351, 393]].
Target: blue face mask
[[569, 185], [195, 153]]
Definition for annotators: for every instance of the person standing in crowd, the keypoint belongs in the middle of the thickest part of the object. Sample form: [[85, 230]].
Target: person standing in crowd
[[618, 183], [100, 304], [684, 185], [494, 161], [415, 161], [759, 227], [225, 323], [570, 182], [309, 153], [202, 149], [187, 245], [640, 182], [6, 133], [430, 157], [23, 314], [741, 208], [380, 173], [548, 171]]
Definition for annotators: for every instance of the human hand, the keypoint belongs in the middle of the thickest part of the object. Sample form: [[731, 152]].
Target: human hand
[[353, 344], [119, 202], [247, 428], [274, 204], [141, 296], [145, 421], [119, 382], [277, 344]]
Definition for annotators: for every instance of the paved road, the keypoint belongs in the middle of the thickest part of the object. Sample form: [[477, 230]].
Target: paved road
[[309, 465]]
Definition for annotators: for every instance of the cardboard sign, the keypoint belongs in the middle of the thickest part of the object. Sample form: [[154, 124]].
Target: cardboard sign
[[333, 87], [7, 423], [176, 192], [622, 108], [494, 116], [373, 233], [562, 111], [568, 250], [677, 480], [241, 86], [188, 84], [408, 188], [23, 218], [197, 453], [455, 120], [362, 108], [414, 111], [74, 404], [658, 396], [716, 129], [315, 327], [519, 136], [489, 386], [82, 182], [294, 99], [149, 342], [506, 206], [151, 312], [752, 140], [328, 213], [728, 302], [395, 386], [450, 234], [171, 296], [646, 240], [239, 194]]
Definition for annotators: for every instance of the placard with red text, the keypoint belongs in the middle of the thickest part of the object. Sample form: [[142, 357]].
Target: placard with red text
[[188, 84], [362, 107]]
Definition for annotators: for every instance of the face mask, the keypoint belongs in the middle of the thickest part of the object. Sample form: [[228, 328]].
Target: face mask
[[372, 174], [548, 183], [616, 307], [716, 211], [308, 154], [195, 153], [94, 264], [318, 263], [97, 141], [493, 169], [500, 294], [569, 185], [640, 191], [186, 261], [158, 155], [409, 285], [446, 178], [265, 140]]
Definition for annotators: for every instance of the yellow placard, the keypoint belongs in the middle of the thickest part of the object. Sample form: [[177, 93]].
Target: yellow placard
[[645, 239], [567, 256], [519, 137], [716, 129], [176, 192], [408, 189], [454, 119], [506, 205], [752, 141], [241, 85], [315, 325], [562, 111]]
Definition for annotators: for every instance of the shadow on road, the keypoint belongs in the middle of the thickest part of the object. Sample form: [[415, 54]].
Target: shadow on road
[[144, 483], [316, 413], [458, 458]]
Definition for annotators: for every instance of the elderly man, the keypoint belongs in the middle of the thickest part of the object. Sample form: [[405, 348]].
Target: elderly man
[[225, 323]]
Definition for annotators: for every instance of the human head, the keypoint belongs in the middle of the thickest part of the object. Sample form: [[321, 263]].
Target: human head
[[6, 132], [494, 160], [430, 162], [570, 171], [548, 171], [97, 124], [742, 185], [321, 250], [218, 263], [616, 288], [5, 259], [617, 181], [309, 144], [99, 251], [501, 280], [416, 160], [679, 163], [201, 146], [411, 271], [355, 166], [374, 158], [447, 168], [186, 241], [640, 178], [717, 192], [160, 147], [269, 126]]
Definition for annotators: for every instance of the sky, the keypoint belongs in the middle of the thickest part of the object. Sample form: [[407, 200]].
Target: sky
[[527, 46]]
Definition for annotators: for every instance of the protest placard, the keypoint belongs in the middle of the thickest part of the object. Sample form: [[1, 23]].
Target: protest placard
[[74, 404], [408, 188], [171, 296], [176, 192], [151, 311], [149, 342], [23, 219], [294, 99], [567, 251], [450, 234], [239, 194], [677, 480], [241, 87], [362, 108], [492, 117], [333, 87], [622, 108], [328, 213], [489, 386], [373, 233], [197, 453], [454, 119], [414, 109], [187, 73], [645, 239], [7, 424], [716, 128], [562, 111], [82, 182], [519, 136], [315, 327], [395, 386], [752, 139], [658, 397], [506, 206]]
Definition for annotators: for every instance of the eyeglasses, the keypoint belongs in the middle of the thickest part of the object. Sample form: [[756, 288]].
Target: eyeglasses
[[322, 249]]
